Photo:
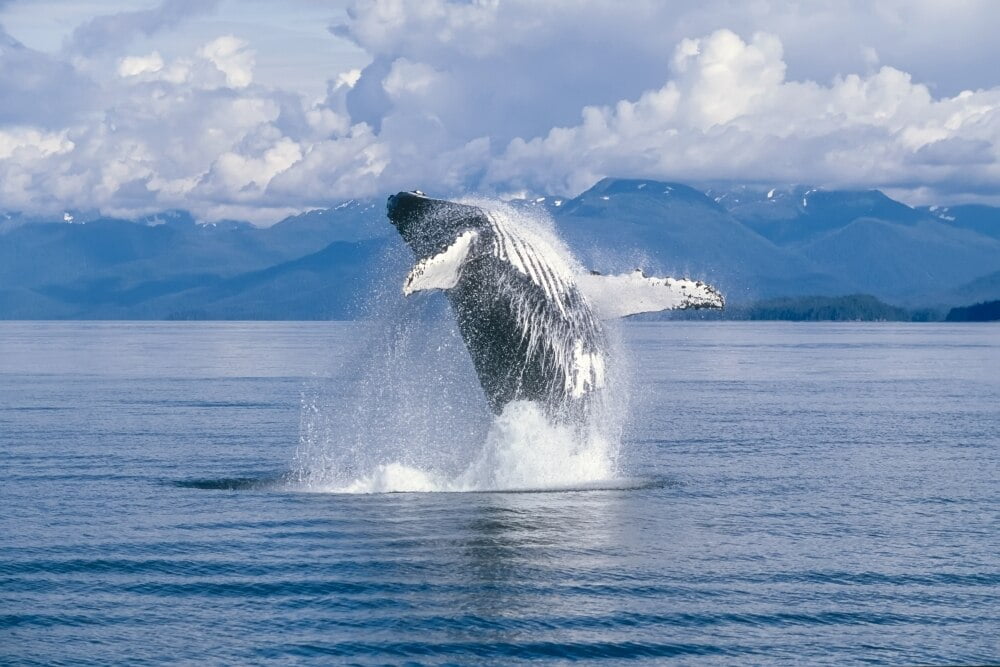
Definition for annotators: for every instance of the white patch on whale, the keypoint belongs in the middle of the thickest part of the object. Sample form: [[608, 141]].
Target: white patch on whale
[[442, 271], [586, 373]]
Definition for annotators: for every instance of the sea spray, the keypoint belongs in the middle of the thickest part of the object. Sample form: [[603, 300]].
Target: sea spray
[[406, 412], [526, 449], [523, 451], [406, 396]]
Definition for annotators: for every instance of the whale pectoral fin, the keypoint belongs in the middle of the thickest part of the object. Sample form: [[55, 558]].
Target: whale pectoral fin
[[633, 293], [440, 271]]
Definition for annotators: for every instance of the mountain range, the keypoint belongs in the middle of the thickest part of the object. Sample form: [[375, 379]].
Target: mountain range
[[753, 243]]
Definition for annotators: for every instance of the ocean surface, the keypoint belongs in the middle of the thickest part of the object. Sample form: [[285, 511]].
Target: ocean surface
[[780, 493]]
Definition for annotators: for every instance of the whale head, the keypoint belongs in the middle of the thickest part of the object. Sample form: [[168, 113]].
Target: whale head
[[430, 225]]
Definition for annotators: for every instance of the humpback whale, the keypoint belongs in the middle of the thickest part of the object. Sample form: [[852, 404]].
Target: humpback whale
[[531, 322]]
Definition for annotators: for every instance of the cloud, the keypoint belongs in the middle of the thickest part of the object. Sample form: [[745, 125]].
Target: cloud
[[956, 151], [136, 65], [560, 99], [231, 56], [111, 32], [39, 89], [728, 113], [28, 143], [501, 97]]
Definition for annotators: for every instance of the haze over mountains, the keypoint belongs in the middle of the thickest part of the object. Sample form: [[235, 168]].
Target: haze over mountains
[[753, 243]]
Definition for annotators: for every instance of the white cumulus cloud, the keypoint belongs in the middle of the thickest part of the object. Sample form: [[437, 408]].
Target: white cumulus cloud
[[136, 65], [508, 96], [728, 112], [232, 57], [30, 143]]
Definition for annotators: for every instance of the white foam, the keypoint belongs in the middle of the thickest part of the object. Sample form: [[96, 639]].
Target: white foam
[[390, 478], [524, 450]]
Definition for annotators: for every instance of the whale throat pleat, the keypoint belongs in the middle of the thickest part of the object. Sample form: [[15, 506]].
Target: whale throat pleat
[[443, 270], [533, 258]]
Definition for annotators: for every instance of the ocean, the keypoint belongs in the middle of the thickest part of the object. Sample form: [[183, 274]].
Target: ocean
[[822, 493]]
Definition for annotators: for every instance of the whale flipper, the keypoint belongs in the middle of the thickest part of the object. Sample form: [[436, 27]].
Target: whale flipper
[[633, 293], [440, 271]]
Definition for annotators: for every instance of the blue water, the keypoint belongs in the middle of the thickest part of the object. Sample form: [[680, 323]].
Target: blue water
[[821, 493]]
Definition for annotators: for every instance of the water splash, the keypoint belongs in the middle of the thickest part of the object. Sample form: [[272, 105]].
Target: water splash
[[406, 412], [524, 450]]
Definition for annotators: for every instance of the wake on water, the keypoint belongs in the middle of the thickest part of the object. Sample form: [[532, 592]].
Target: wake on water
[[406, 412]]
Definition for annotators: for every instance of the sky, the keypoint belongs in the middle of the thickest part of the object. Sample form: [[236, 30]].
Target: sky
[[254, 110]]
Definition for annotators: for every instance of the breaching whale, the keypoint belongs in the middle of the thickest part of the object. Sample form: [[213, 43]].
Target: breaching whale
[[531, 323]]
